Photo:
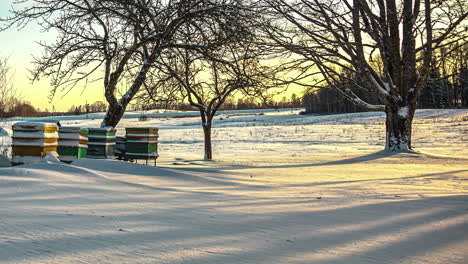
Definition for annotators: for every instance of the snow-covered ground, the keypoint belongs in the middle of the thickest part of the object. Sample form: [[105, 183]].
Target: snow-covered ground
[[284, 188]]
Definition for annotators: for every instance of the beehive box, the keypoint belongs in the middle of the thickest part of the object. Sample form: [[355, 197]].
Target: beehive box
[[101, 143], [32, 141], [73, 143], [142, 143]]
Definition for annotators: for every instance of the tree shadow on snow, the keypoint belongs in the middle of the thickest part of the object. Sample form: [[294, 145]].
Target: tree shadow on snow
[[441, 175], [369, 157], [382, 232]]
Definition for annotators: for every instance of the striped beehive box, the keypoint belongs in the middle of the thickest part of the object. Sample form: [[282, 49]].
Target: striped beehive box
[[72, 144], [142, 143], [101, 143], [32, 141]]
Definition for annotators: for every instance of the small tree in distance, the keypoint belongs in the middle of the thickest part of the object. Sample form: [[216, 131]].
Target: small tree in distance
[[206, 78], [207, 82]]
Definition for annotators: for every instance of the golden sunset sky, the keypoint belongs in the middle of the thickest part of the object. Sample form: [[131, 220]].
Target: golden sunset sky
[[20, 46]]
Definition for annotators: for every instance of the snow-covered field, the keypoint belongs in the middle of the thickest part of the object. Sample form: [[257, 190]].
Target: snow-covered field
[[284, 188]]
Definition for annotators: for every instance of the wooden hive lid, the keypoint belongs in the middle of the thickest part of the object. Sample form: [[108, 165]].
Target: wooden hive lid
[[80, 130], [101, 130], [141, 130], [35, 126]]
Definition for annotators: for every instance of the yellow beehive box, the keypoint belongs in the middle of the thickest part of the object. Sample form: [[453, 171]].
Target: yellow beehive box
[[32, 141]]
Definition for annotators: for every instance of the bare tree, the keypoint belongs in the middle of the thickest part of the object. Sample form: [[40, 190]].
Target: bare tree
[[207, 78], [113, 41], [8, 93], [330, 37], [206, 83], [6, 87]]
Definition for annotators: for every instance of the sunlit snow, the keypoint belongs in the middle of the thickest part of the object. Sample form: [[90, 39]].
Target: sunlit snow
[[284, 188]]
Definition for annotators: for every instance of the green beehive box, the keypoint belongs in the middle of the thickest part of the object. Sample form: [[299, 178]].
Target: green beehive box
[[101, 143], [142, 143], [73, 143]]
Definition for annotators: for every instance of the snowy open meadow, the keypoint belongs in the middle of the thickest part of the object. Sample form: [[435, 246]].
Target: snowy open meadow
[[284, 188]]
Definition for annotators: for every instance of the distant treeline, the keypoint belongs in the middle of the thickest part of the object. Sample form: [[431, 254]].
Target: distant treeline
[[20, 108], [95, 107], [230, 104], [328, 101], [17, 107], [447, 87]]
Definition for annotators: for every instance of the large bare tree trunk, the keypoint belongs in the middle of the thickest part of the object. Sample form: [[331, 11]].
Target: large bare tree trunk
[[208, 149], [206, 124], [398, 127], [117, 107], [113, 116]]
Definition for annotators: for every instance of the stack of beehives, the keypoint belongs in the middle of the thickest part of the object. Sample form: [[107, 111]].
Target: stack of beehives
[[142, 143], [73, 143], [32, 141], [101, 143]]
